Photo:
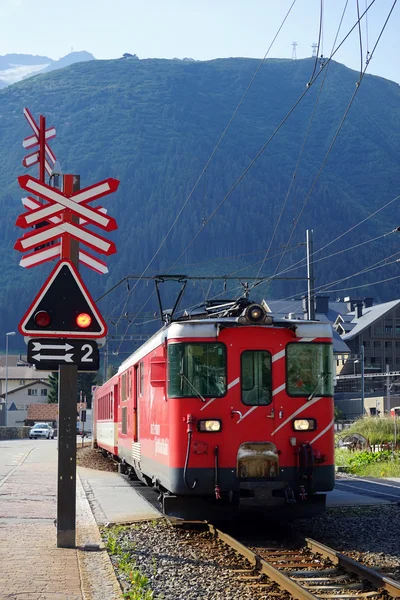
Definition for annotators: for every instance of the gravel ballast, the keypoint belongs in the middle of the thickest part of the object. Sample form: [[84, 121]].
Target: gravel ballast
[[185, 564]]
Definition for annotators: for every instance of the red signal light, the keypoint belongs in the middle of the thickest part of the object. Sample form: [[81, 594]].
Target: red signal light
[[42, 318], [83, 320]]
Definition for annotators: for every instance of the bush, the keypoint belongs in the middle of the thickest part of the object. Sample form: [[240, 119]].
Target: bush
[[378, 431]]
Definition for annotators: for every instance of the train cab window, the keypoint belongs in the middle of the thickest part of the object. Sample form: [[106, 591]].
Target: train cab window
[[196, 370], [309, 369], [256, 377]]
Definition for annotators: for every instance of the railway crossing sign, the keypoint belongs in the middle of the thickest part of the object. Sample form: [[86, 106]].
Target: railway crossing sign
[[63, 308], [47, 354], [39, 138], [76, 203]]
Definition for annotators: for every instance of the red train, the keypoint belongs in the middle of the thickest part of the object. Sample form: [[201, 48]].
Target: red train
[[224, 409]]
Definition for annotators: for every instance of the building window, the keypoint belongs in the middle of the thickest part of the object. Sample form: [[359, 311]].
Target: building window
[[32, 392], [388, 328], [366, 344], [43, 392], [377, 344]]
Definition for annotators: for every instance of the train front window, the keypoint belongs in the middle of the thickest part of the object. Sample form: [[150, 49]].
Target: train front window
[[256, 378], [196, 370], [309, 369]]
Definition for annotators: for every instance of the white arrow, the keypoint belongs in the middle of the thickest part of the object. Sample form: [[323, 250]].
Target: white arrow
[[67, 357], [38, 346]]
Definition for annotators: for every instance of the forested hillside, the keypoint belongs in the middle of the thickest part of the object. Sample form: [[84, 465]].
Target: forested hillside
[[154, 123]]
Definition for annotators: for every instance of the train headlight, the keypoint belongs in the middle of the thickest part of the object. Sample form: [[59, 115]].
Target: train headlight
[[304, 424], [211, 425]]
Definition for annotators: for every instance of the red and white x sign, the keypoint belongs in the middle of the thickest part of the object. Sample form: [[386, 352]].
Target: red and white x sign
[[76, 203], [51, 232], [33, 140]]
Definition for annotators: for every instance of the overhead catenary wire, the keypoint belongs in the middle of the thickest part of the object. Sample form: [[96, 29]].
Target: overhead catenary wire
[[339, 127], [302, 261], [277, 129], [360, 40], [342, 42], [294, 175], [217, 146], [319, 42]]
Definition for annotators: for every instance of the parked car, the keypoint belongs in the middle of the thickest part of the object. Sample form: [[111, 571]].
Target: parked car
[[41, 430]]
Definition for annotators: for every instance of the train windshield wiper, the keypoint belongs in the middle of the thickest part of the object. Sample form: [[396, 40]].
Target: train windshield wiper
[[183, 377], [321, 380]]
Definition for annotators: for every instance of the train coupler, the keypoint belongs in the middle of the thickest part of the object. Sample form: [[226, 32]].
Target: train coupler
[[289, 496]]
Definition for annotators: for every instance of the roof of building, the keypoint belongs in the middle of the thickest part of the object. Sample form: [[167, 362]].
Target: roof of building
[[13, 360], [284, 307], [369, 316], [42, 412], [21, 372], [26, 385]]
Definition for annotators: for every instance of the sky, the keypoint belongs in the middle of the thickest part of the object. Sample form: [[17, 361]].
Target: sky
[[199, 29]]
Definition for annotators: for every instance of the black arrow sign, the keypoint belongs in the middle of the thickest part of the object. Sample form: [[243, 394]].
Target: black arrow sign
[[47, 354]]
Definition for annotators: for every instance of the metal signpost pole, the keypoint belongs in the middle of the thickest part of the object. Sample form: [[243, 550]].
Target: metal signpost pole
[[67, 401], [6, 394]]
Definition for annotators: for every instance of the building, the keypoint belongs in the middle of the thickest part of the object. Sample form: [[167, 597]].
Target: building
[[377, 328], [25, 386], [42, 413], [358, 323]]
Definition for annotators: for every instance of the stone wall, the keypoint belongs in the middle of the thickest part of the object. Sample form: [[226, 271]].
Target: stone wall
[[14, 433]]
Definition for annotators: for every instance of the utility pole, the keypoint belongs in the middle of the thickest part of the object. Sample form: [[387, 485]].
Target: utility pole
[[310, 276], [67, 401], [362, 376], [314, 47], [387, 408], [294, 53]]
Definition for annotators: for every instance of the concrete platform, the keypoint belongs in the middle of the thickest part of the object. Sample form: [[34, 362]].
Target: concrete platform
[[339, 498], [114, 500]]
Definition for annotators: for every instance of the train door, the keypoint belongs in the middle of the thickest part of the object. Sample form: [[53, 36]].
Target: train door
[[257, 389], [137, 386], [257, 456]]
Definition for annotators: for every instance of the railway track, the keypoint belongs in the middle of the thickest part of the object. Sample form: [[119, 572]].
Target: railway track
[[312, 572]]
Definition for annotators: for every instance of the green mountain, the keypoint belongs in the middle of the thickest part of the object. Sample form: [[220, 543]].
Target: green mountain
[[153, 124]]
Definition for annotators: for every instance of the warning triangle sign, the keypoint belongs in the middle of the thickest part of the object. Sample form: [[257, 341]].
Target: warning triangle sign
[[63, 308]]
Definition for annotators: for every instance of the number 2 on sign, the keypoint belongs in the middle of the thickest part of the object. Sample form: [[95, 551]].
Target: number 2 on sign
[[85, 357]]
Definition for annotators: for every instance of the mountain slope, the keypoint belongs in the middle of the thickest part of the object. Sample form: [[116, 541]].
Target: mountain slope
[[154, 123], [15, 67]]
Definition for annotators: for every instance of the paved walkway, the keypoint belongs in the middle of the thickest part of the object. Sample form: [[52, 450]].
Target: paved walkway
[[31, 566]]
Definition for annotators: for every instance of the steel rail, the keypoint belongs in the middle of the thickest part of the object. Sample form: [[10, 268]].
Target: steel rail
[[285, 582], [379, 581]]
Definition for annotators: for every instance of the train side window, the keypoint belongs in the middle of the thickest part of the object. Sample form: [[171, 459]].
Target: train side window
[[256, 378], [196, 370], [309, 369], [124, 428]]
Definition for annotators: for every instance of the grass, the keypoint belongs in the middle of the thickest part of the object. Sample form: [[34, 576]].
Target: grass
[[369, 464], [136, 583]]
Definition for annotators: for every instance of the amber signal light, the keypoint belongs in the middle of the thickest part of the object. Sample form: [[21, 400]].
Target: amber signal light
[[83, 320]]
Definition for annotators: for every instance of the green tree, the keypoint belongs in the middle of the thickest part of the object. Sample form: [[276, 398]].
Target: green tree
[[85, 382], [111, 371], [52, 398]]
